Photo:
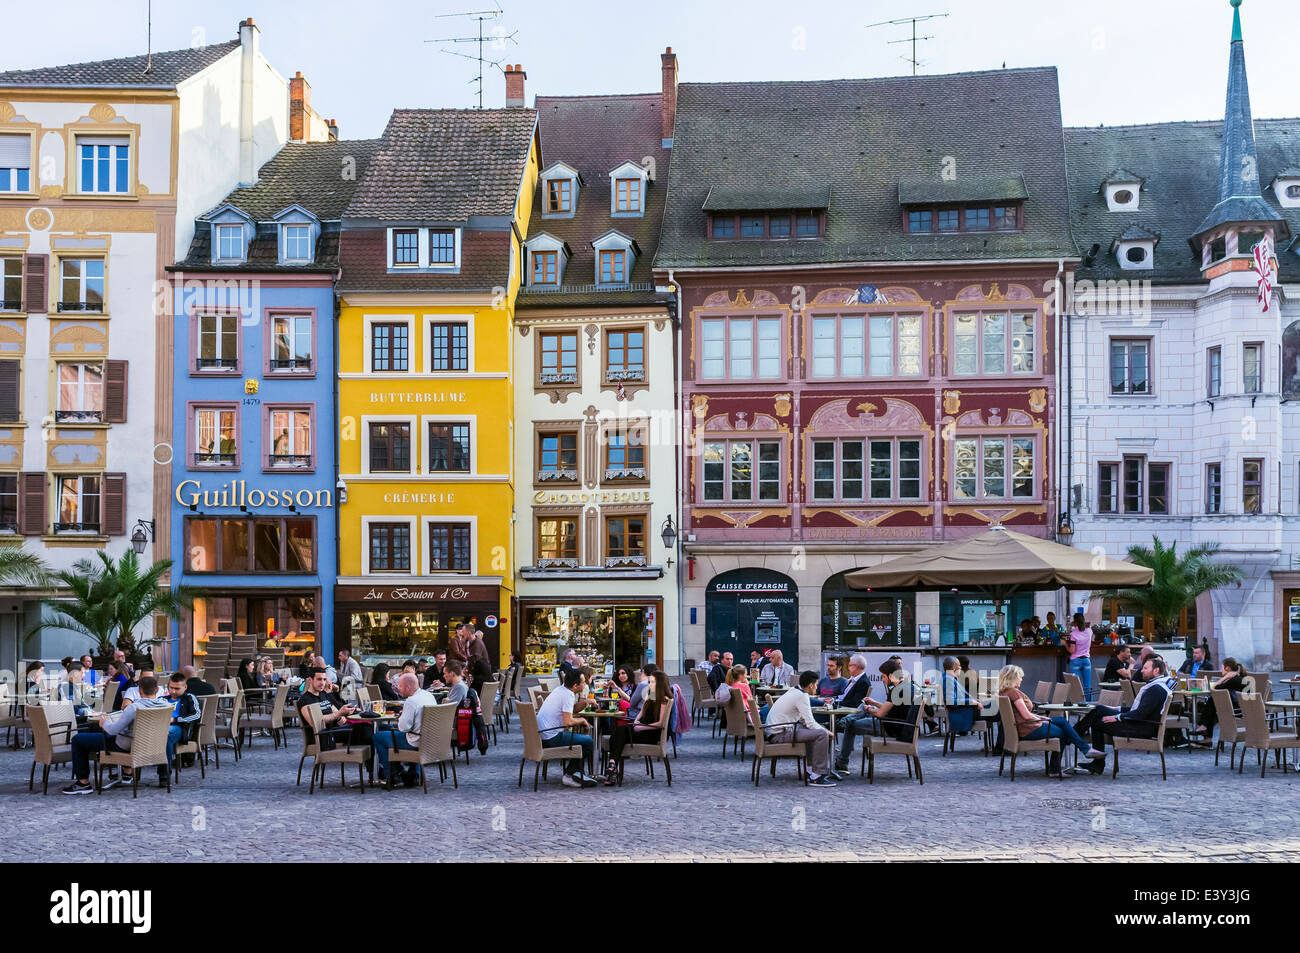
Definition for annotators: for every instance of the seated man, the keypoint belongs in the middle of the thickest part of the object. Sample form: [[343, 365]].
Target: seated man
[[407, 735], [856, 693], [1118, 666], [1140, 666], [458, 688], [433, 675], [186, 712], [1191, 667], [897, 713], [1140, 721], [831, 685], [556, 724], [116, 736], [133, 691], [790, 721], [777, 671], [197, 686], [962, 708], [718, 674], [334, 714]]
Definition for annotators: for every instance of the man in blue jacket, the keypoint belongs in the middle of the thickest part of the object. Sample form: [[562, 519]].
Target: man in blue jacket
[[1142, 720]]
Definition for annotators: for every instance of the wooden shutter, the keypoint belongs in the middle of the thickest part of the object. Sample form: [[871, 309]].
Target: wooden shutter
[[114, 391], [31, 504], [10, 390], [36, 284], [114, 504]]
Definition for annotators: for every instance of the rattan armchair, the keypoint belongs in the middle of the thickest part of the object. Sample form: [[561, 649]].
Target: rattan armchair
[[343, 754], [873, 746], [533, 749], [1014, 745], [148, 747], [437, 724], [47, 722], [765, 750], [649, 752], [272, 721], [1255, 715]]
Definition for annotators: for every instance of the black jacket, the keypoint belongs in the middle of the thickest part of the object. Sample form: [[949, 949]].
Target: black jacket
[[1112, 668], [197, 686], [859, 693], [1150, 703], [717, 675]]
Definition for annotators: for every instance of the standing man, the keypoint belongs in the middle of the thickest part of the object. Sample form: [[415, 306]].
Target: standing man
[[480, 664], [777, 671], [458, 649], [791, 722]]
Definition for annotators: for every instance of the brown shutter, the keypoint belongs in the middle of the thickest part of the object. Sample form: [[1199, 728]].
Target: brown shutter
[[31, 504], [36, 284], [10, 390], [114, 391], [114, 502]]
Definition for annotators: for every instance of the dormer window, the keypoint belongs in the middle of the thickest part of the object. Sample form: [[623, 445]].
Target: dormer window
[[627, 195], [230, 243], [559, 195], [627, 188], [613, 267], [546, 257], [1135, 248], [424, 249], [295, 243], [1122, 190], [963, 218], [615, 257], [559, 184], [406, 247], [232, 230], [545, 268], [1286, 186]]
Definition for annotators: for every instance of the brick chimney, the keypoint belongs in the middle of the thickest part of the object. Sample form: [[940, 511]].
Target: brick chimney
[[299, 107], [333, 125], [515, 77], [669, 108]]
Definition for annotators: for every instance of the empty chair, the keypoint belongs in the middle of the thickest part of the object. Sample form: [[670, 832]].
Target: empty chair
[[1154, 745], [487, 700], [1110, 698], [229, 731], [549, 683], [1260, 738], [644, 749], [1232, 727], [52, 729], [533, 749], [1015, 746], [148, 747], [772, 751], [1060, 693], [437, 722], [272, 722], [1042, 693], [1075, 687], [873, 746]]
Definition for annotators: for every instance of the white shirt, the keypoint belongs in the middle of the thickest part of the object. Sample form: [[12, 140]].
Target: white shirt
[[409, 721], [794, 707], [777, 676], [550, 717]]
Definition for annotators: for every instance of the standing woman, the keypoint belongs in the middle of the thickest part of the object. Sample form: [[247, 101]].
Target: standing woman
[[658, 708], [1079, 641]]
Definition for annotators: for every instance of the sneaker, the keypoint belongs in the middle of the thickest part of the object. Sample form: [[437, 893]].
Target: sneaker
[[823, 781], [569, 781], [115, 782], [1094, 754], [836, 775], [75, 788]]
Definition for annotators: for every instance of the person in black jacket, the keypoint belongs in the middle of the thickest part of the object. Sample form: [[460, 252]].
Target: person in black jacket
[[433, 674], [1118, 666], [859, 723], [1140, 721], [718, 674], [195, 685]]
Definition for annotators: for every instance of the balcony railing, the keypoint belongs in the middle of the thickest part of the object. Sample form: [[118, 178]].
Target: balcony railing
[[568, 562], [625, 473], [93, 307], [290, 460], [632, 374], [11, 304], [291, 364], [92, 528], [620, 562], [216, 363], [78, 416], [215, 459], [9, 527], [559, 377], [544, 476]]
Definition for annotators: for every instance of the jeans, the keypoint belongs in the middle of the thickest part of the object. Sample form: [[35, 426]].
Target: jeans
[[84, 744], [859, 723], [386, 740], [566, 737], [1082, 667], [1059, 728], [173, 736]]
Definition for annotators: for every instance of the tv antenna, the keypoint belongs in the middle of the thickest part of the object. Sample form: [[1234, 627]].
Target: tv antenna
[[482, 16], [914, 21]]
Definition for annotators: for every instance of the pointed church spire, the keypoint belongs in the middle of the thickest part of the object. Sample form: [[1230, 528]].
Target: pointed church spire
[[1240, 194]]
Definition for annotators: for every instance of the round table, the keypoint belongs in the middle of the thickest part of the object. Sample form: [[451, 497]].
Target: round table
[[597, 713]]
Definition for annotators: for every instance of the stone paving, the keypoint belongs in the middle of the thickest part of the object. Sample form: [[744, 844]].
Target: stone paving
[[252, 811]]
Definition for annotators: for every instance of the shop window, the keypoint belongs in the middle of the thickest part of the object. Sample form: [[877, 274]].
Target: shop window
[[449, 547], [395, 636], [732, 474], [557, 542], [606, 636], [625, 541], [235, 546], [390, 547], [244, 545]]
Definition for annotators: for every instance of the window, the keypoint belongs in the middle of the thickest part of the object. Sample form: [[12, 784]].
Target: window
[[390, 347], [296, 243], [442, 246], [1133, 487], [947, 219], [291, 342], [1214, 488], [545, 264], [877, 345], [778, 226], [627, 195], [78, 502], [729, 471], [406, 246], [81, 392], [1252, 486], [557, 542], [724, 226], [920, 221], [977, 219], [216, 441], [1214, 372], [449, 448], [968, 218], [15, 163], [11, 284], [624, 356], [1252, 371], [980, 468], [390, 547], [559, 356], [82, 284], [751, 226], [1107, 488], [808, 225], [1130, 367], [625, 541], [625, 453], [613, 267], [1136, 254], [230, 242], [990, 343], [290, 438], [1006, 216], [449, 547], [557, 456], [390, 447], [559, 195], [448, 347], [104, 165], [837, 469], [1158, 488], [741, 348], [895, 469], [218, 342], [8, 503]]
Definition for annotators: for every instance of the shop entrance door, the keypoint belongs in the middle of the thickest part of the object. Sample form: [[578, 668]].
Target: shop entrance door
[[1291, 629]]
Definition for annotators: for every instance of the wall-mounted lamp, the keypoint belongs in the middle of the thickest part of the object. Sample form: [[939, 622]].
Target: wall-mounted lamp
[[139, 537]]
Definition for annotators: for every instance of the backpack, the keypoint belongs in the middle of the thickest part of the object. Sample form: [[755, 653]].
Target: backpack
[[471, 732]]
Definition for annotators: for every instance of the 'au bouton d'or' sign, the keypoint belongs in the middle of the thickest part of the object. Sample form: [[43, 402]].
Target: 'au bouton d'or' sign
[[236, 494]]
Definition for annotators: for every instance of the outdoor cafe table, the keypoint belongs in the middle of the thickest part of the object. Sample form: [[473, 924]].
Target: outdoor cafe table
[[596, 713], [1290, 683], [1067, 708], [1194, 695], [834, 713]]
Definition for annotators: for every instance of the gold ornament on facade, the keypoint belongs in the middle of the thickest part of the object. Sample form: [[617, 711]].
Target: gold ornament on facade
[[995, 294], [781, 403], [51, 191], [102, 112], [7, 111], [1038, 399], [39, 219], [699, 405], [951, 401], [741, 301], [867, 408]]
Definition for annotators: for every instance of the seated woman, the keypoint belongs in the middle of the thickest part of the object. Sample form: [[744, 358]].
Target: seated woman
[[622, 685], [379, 677], [247, 678], [118, 675], [1233, 682], [1032, 727], [267, 677], [656, 711]]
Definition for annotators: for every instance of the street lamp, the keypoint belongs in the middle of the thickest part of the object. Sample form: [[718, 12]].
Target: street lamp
[[668, 532], [138, 538], [1065, 531]]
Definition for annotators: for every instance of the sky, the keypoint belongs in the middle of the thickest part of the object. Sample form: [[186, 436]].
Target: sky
[[1119, 61]]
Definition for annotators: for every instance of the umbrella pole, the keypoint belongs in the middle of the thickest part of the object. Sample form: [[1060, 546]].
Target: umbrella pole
[[999, 619]]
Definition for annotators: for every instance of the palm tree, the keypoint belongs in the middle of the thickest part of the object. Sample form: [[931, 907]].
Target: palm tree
[[1177, 582], [18, 567]]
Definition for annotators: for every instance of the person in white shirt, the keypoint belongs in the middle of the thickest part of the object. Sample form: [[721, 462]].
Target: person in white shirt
[[407, 735], [777, 671], [132, 694], [349, 667], [556, 723], [706, 665], [790, 720]]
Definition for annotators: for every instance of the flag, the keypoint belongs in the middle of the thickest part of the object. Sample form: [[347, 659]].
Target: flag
[[1263, 252]]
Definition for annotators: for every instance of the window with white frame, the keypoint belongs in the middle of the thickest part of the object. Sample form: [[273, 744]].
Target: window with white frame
[[449, 447], [448, 346], [291, 342], [993, 343], [1130, 366], [291, 438], [442, 246], [390, 547], [741, 471], [81, 391], [1252, 486], [295, 243], [877, 345], [741, 348], [837, 469], [218, 342], [15, 163], [104, 165], [993, 468], [81, 284], [216, 436], [450, 547], [11, 283], [78, 504], [1214, 372], [1252, 368], [436, 249], [230, 242], [1214, 488], [1134, 486]]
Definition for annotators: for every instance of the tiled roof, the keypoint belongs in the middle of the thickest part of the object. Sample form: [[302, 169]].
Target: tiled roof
[[446, 165], [485, 264], [1180, 162], [594, 135], [937, 190], [168, 69], [861, 138], [759, 199]]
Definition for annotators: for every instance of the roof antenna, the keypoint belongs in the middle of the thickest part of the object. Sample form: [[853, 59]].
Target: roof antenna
[[914, 21], [148, 65], [498, 35]]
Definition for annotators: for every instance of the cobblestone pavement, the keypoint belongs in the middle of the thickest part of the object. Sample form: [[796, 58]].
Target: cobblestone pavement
[[253, 811]]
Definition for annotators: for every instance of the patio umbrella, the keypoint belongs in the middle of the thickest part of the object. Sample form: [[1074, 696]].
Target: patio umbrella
[[1000, 563]]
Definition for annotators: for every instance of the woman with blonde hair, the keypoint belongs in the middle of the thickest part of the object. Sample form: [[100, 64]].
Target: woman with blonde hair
[[1032, 727]]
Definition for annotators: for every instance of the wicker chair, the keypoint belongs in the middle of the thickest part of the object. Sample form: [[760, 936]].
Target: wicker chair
[[487, 700], [1127, 692], [873, 746], [1060, 693], [1076, 688], [548, 682], [109, 703], [702, 700], [230, 730], [148, 747], [978, 727], [533, 750], [1042, 693], [208, 729], [1154, 745], [272, 721], [1110, 698], [437, 723], [738, 728], [48, 721], [1260, 738], [765, 750], [207, 724], [1015, 746], [537, 694], [343, 755], [1231, 725], [649, 752]]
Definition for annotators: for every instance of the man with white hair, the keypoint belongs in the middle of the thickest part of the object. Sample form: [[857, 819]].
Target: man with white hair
[[858, 723], [407, 735]]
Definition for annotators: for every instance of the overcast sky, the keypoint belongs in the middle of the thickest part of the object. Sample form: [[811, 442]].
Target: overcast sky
[[1120, 61]]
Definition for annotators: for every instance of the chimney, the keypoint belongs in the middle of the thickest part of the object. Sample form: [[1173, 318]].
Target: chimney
[[299, 107], [515, 77], [333, 125], [669, 108], [249, 53]]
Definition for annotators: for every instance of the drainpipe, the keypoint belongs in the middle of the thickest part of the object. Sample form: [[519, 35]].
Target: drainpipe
[[1064, 412], [678, 475], [338, 504]]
